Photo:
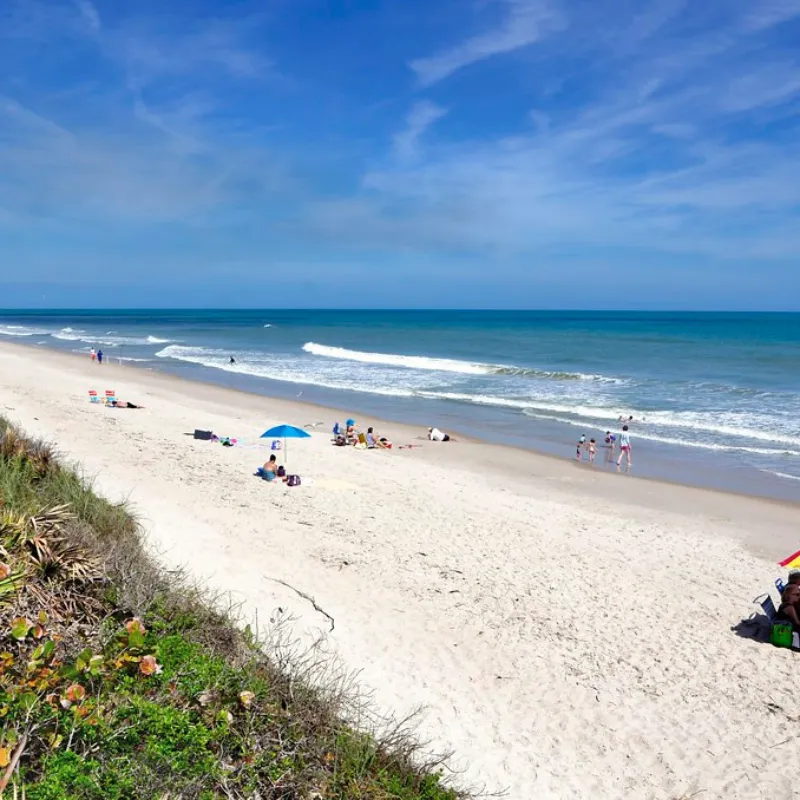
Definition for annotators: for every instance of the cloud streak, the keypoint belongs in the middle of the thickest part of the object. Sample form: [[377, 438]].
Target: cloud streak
[[690, 155], [420, 118], [526, 22], [89, 14]]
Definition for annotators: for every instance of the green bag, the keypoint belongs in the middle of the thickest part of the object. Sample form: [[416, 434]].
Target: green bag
[[781, 635]]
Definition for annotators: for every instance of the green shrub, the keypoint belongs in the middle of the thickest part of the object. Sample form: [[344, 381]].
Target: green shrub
[[122, 683]]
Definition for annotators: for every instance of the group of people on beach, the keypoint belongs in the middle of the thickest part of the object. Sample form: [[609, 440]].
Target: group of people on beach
[[610, 444], [96, 356], [350, 435]]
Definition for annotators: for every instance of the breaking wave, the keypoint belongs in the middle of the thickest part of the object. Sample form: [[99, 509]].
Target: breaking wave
[[446, 364]]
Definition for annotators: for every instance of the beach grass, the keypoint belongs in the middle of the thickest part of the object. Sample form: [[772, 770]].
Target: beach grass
[[120, 680]]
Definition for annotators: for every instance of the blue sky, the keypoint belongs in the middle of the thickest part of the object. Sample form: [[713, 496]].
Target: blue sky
[[503, 153]]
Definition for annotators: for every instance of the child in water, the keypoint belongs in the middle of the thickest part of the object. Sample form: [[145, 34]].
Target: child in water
[[581, 445], [592, 450]]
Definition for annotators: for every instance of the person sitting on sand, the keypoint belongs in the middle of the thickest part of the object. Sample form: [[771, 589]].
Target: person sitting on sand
[[270, 469], [435, 435], [789, 610], [373, 440], [351, 433]]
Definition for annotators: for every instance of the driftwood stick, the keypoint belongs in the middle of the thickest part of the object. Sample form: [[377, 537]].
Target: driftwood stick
[[305, 597]]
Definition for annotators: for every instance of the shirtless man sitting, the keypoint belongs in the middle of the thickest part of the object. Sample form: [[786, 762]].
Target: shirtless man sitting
[[789, 609]]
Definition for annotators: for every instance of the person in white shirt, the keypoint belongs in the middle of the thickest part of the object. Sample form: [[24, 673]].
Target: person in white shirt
[[624, 447], [435, 435]]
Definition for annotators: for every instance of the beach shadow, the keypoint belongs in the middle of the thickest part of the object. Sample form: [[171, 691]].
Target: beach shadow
[[755, 627]]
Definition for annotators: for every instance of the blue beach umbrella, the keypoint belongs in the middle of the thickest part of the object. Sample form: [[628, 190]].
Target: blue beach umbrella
[[285, 432]]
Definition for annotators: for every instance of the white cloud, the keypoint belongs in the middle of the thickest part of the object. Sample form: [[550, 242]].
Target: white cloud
[[527, 21], [419, 119], [768, 13], [90, 14]]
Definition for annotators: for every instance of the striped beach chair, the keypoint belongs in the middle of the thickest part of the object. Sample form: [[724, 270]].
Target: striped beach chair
[[93, 398], [111, 396]]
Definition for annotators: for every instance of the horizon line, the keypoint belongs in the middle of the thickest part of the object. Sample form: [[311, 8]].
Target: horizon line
[[399, 309]]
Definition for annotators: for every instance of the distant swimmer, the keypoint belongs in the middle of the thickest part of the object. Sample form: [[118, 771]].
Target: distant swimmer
[[232, 361], [627, 420]]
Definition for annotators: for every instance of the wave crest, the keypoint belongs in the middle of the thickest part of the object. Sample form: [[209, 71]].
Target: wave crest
[[105, 340], [446, 364]]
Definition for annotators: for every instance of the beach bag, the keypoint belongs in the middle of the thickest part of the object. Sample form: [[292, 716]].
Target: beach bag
[[293, 480], [781, 634], [281, 471]]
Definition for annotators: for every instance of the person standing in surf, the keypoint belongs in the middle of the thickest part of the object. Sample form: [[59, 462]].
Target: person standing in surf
[[624, 448], [611, 441]]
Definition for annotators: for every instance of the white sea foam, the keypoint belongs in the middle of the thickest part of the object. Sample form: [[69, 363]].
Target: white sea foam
[[105, 340], [782, 474], [249, 364], [582, 415], [20, 330], [446, 364]]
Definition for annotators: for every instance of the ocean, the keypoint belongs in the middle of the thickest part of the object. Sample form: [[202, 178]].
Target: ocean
[[715, 397]]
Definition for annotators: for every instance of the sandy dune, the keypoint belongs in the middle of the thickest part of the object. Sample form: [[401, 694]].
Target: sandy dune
[[568, 631]]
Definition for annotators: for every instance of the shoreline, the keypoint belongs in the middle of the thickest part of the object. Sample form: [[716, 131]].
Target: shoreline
[[541, 613], [562, 466]]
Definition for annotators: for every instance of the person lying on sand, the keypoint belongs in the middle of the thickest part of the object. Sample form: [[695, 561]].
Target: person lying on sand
[[123, 404], [435, 435]]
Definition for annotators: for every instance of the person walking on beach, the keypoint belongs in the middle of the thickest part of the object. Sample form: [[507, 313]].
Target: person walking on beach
[[93, 355], [99, 356], [592, 450], [624, 447]]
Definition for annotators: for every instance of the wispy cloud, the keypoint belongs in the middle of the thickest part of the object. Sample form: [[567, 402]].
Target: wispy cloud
[[89, 14], [150, 141], [419, 119], [665, 129], [676, 155], [526, 22], [767, 13]]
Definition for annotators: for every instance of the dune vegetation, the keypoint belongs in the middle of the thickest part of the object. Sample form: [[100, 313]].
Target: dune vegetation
[[121, 680]]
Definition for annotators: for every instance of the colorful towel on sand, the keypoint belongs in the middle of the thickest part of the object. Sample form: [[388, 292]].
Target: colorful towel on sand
[[792, 561]]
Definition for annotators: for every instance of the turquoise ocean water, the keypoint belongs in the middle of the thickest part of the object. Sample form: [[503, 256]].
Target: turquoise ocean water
[[715, 396]]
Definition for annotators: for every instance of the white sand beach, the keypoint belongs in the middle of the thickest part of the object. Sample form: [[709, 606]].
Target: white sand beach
[[568, 631]]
